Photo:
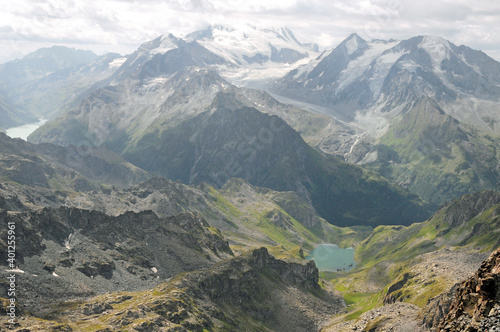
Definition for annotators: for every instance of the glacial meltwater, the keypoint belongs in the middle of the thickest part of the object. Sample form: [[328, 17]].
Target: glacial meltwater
[[25, 130], [329, 257]]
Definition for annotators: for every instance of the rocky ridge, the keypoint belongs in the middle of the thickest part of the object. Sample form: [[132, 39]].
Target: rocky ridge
[[248, 216], [68, 253], [253, 292], [476, 306]]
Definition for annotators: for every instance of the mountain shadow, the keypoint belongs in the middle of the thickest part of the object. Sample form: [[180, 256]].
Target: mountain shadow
[[228, 141]]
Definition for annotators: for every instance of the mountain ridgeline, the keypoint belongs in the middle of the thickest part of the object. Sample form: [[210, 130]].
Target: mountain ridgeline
[[378, 100]]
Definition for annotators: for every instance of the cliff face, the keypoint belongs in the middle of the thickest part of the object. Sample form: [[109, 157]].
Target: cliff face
[[476, 306]]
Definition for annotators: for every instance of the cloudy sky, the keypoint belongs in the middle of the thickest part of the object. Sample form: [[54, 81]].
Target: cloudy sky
[[122, 25]]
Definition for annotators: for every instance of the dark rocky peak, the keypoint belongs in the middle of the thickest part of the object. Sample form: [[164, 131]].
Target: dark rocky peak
[[187, 54], [407, 45], [477, 301], [349, 49]]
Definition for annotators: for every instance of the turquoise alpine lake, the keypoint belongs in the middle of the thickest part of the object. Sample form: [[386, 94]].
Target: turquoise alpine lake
[[329, 257], [25, 130]]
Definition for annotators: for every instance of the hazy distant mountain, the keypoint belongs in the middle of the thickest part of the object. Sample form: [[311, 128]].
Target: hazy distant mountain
[[42, 63], [46, 81], [12, 116]]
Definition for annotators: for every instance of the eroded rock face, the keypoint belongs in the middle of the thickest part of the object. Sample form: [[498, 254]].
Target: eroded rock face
[[476, 306], [69, 253]]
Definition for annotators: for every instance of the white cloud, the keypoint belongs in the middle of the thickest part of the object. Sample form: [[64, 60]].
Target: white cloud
[[122, 25]]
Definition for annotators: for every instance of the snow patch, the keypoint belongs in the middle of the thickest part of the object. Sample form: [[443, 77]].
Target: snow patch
[[352, 45], [68, 241], [438, 49], [157, 81], [357, 67], [117, 62], [166, 45], [409, 65]]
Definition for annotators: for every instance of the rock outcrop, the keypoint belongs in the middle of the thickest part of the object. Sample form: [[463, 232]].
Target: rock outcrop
[[476, 306]]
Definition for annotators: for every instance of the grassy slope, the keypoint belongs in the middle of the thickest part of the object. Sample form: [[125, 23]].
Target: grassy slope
[[272, 225], [391, 252], [436, 157]]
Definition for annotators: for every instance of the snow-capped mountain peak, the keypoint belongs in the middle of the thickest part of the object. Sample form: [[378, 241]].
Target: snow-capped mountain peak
[[358, 77], [161, 44], [249, 44], [438, 49], [254, 54], [353, 43]]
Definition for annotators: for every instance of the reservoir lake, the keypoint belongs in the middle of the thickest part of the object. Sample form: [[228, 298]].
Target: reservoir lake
[[25, 130]]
